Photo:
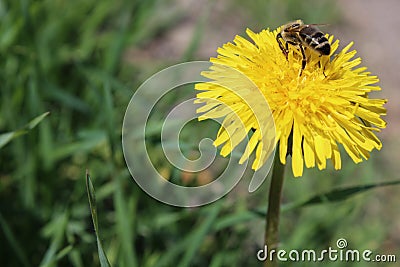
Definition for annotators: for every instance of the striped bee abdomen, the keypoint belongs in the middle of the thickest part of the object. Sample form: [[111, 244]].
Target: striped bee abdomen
[[315, 39]]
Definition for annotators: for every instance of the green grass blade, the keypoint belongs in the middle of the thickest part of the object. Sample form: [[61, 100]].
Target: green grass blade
[[191, 242], [5, 138], [200, 234], [64, 252], [339, 194], [13, 242], [335, 195], [233, 219], [124, 224], [172, 254], [58, 227], [92, 203], [58, 256], [32, 124]]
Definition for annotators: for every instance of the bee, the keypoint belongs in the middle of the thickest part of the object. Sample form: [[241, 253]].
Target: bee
[[303, 36]]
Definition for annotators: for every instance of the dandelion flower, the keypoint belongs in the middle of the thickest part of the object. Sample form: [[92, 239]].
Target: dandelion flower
[[327, 105]]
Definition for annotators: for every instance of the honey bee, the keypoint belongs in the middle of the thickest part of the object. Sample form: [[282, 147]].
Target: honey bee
[[303, 36]]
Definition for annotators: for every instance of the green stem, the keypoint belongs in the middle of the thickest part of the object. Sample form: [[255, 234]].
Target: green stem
[[274, 203]]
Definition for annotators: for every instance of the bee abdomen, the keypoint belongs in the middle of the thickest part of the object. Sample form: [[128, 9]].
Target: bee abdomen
[[316, 40], [324, 48]]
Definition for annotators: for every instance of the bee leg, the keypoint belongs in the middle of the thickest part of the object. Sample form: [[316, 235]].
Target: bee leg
[[304, 60], [320, 66], [285, 51]]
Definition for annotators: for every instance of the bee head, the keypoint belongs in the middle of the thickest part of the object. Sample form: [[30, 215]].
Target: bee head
[[293, 26]]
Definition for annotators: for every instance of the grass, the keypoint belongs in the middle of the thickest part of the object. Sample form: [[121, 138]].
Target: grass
[[69, 58]]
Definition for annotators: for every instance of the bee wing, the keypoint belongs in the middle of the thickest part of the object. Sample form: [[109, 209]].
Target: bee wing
[[319, 24]]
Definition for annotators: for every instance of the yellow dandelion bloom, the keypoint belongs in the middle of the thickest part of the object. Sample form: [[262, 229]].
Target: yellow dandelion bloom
[[328, 104]]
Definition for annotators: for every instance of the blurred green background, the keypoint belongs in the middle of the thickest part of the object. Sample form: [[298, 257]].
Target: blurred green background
[[82, 61]]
